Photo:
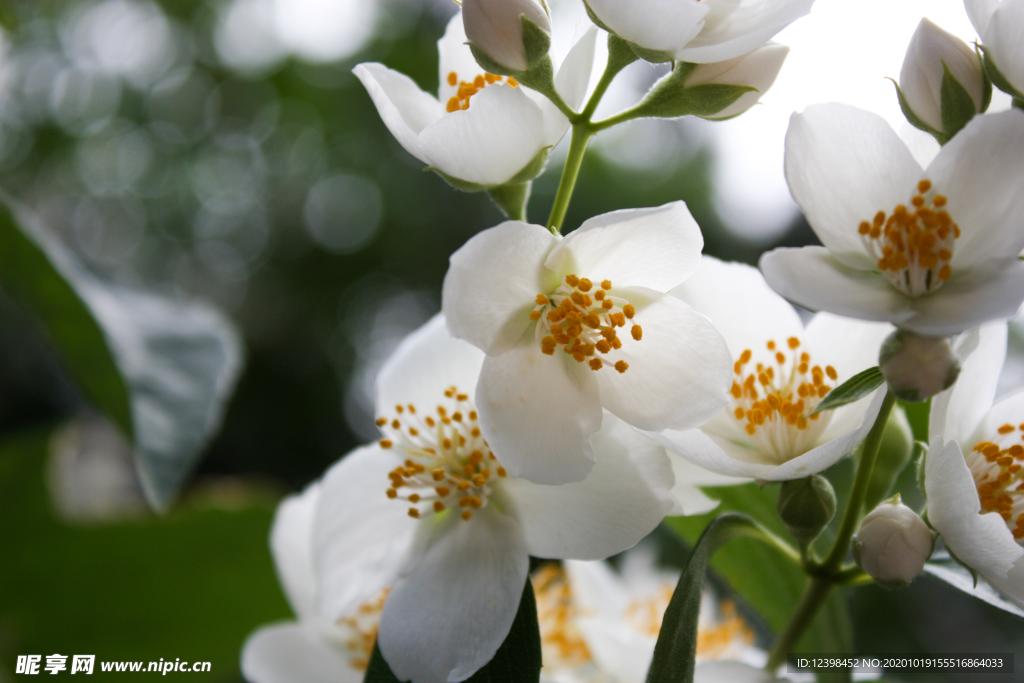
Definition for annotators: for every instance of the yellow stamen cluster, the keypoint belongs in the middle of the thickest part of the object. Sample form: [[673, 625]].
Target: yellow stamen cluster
[[914, 245], [448, 465], [466, 89], [561, 641], [998, 474], [583, 317], [771, 401], [362, 628]]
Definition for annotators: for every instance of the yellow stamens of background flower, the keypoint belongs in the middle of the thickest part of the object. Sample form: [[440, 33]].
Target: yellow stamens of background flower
[[362, 628], [999, 478]]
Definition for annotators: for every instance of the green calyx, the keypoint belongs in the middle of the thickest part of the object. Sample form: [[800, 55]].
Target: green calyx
[[998, 79], [671, 98]]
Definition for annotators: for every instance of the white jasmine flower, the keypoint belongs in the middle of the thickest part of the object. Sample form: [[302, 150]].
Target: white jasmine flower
[[1000, 24], [973, 473], [598, 625], [549, 313], [893, 544], [933, 251], [701, 31], [431, 512], [312, 649], [482, 128], [782, 371]]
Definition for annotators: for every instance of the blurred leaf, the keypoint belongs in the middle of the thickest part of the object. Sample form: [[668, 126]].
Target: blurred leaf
[[675, 653], [947, 569], [179, 360], [192, 584], [768, 581], [516, 661], [8, 16], [853, 389]]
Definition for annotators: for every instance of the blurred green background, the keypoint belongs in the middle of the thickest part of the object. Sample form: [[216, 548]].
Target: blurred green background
[[224, 150]]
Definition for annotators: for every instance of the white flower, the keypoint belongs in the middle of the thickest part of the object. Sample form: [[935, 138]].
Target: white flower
[[548, 313], [312, 649], [431, 512], [933, 251], [757, 69], [496, 28], [700, 31], [1000, 24], [893, 544], [481, 128], [782, 371], [921, 76], [973, 471], [598, 625]]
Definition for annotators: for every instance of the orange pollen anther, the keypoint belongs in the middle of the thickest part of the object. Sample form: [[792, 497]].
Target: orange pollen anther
[[464, 90], [998, 470]]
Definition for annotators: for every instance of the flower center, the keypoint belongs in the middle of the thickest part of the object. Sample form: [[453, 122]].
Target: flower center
[[771, 401], [582, 320], [466, 89], [562, 643], [361, 631], [996, 466], [913, 246], [448, 465]]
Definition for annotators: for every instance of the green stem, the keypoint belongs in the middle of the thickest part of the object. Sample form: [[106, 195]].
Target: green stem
[[581, 135], [814, 597]]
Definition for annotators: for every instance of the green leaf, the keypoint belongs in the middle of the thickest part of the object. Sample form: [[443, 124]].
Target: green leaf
[[670, 97], [160, 368], [853, 389], [675, 653], [958, 108], [518, 660]]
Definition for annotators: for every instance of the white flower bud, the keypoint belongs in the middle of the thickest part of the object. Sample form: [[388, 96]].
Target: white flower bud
[[922, 72], [916, 367], [757, 69], [495, 27], [893, 544]]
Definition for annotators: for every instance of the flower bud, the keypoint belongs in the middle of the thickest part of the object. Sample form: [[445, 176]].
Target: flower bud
[[935, 54], [757, 69], [806, 506], [495, 27], [893, 544], [916, 367]]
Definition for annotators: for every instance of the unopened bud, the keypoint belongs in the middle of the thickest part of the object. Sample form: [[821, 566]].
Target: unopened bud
[[932, 56], [495, 27], [757, 69], [893, 544], [916, 367], [806, 506]]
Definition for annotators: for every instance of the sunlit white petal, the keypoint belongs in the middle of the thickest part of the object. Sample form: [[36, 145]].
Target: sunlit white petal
[[293, 653]]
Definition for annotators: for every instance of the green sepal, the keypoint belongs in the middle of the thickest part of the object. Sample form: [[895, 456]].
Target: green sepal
[[913, 118], [1018, 102], [620, 54], [853, 389], [986, 83], [537, 43], [676, 650], [518, 660], [957, 105], [670, 97], [527, 173], [653, 56], [512, 198], [998, 79]]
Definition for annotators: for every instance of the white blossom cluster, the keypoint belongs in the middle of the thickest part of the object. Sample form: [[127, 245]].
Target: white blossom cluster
[[576, 390]]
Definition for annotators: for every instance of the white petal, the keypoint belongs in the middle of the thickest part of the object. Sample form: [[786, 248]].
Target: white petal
[[1008, 410], [362, 540], [622, 652], [757, 69], [405, 109], [596, 589], [489, 143], [740, 304], [571, 82], [1003, 39], [979, 172], [725, 671], [983, 542], [810, 277], [983, 294], [291, 543], [957, 412], [454, 56], [291, 653], [843, 166], [690, 499], [625, 497], [537, 414], [1012, 587], [424, 365], [679, 373], [492, 283], [448, 618], [656, 248], [737, 32], [980, 13], [665, 25]]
